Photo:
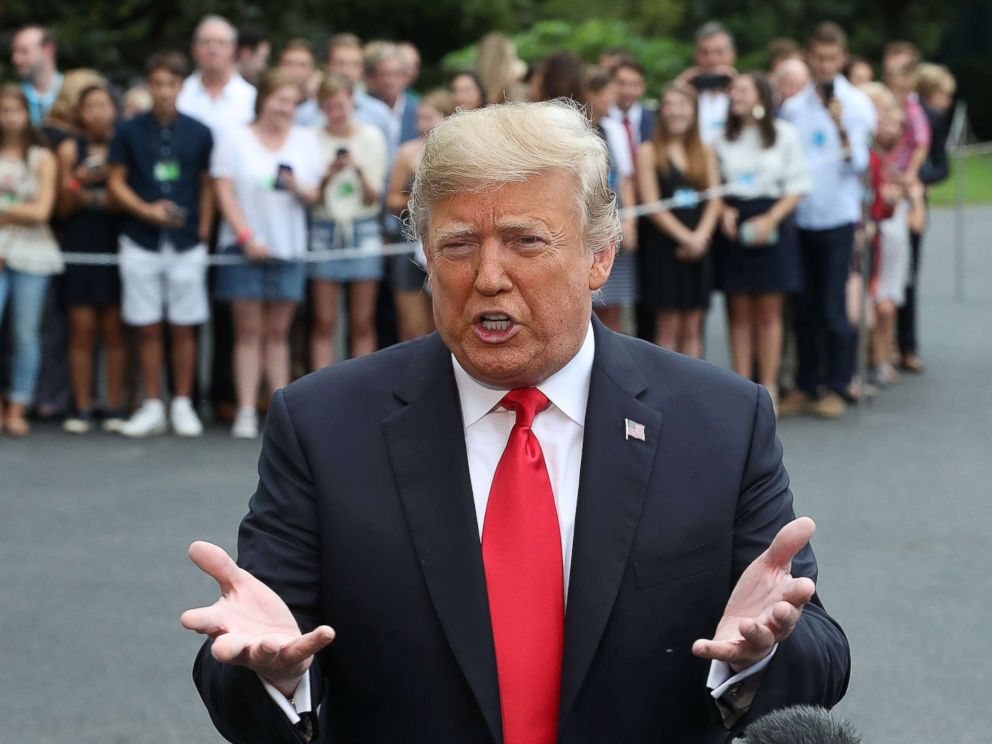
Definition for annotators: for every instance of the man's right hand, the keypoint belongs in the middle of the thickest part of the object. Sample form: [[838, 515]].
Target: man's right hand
[[250, 624], [160, 214]]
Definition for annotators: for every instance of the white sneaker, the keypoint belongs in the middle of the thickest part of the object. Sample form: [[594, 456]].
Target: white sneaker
[[245, 424], [113, 421], [147, 420], [185, 422]]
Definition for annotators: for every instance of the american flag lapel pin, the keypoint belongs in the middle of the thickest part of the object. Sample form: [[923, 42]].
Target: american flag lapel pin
[[633, 430]]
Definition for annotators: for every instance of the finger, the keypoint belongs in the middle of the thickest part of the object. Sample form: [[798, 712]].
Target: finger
[[202, 620], [229, 647], [758, 636], [216, 563], [307, 645], [264, 651], [782, 620], [799, 591], [726, 651], [792, 538]]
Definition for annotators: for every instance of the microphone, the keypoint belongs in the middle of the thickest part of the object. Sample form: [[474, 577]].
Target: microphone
[[800, 724]]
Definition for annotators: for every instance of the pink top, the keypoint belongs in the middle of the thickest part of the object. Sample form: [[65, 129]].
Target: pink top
[[915, 134]]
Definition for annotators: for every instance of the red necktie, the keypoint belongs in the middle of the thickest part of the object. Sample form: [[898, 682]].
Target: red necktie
[[631, 139], [521, 550]]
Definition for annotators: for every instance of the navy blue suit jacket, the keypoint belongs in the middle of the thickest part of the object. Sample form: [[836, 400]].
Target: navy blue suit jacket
[[408, 127], [364, 520], [648, 119]]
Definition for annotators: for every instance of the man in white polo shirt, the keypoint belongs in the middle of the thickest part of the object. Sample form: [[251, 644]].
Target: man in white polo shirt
[[216, 94]]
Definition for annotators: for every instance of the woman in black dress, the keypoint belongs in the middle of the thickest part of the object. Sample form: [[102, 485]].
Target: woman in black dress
[[92, 293], [676, 265], [762, 162]]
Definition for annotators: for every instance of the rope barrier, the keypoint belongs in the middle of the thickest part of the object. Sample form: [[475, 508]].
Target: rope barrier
[[681, 200]]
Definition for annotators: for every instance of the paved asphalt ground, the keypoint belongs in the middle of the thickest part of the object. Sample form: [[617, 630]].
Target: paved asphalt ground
[[93, 533]]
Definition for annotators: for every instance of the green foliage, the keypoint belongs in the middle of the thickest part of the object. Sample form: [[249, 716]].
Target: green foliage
[[116, 36], [663, 58]]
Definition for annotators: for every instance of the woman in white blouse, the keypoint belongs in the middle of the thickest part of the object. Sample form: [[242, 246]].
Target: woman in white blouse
[[762, 164], [266, 174], [346, 217]]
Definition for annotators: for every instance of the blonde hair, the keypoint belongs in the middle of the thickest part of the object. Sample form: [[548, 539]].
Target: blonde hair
[[333, 84], [880, 95], [498, 66], [65, 109], [439, 100], [933, 78], [486, 148]]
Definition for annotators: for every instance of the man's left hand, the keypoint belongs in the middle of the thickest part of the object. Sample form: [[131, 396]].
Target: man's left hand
[[765, 605]]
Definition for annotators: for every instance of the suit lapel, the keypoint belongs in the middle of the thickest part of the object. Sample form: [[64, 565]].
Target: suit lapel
[[612, 485], [426, 444]]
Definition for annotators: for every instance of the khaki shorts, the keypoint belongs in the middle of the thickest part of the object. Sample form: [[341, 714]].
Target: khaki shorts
[[165, 284]]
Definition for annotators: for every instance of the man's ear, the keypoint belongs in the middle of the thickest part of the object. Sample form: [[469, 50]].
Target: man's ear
[[602, 264]]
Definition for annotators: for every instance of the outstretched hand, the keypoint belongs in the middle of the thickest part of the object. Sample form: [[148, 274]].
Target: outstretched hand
[[766, 603], [251, 625]]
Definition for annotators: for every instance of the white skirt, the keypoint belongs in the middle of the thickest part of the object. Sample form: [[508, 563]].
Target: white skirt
[[893, 270]]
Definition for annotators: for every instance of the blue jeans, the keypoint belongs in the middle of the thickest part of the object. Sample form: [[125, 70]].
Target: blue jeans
[[826, 342], [27, 305]]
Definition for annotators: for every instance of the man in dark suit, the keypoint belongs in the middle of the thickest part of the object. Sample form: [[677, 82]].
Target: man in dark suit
[[524, 528], [638, 122]]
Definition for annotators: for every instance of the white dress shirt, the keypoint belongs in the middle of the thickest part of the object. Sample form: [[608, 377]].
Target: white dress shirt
[[234, 107], [713, 108], [836, 196], [559, 429], [633, 114]]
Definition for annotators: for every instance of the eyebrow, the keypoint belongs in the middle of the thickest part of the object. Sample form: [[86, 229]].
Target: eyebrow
[[461, 231]]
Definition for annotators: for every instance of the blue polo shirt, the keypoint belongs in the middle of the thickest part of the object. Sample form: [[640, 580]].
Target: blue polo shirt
[[163, 162]]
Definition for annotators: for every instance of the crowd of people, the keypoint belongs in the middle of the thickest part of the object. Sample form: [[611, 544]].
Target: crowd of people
[[772, 186]]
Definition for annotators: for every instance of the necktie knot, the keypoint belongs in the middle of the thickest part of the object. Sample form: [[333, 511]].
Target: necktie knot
[[526, 403]]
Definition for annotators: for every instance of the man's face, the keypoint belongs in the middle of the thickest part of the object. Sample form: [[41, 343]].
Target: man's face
[[346, 61], [28, 54], [629, 84], [826, 61], [388, 80], [298, 63], [512, 279], [411, 58], [214, 48], [164, 88], [898, 74], [715, 52], [790, 78], [252, 62]]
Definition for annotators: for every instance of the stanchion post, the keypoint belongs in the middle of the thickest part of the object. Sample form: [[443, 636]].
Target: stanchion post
[[959, 226]]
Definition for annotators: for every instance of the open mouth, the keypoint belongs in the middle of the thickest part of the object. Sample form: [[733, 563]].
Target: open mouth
[[495, 321], [494, 327]]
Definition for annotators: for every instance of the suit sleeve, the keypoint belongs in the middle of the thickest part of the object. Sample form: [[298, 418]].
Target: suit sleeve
[[812, 666], [278, 544]]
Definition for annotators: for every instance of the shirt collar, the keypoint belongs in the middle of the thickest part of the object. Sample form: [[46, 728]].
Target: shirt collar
[[232, 84], [567, 389], [633, 113]]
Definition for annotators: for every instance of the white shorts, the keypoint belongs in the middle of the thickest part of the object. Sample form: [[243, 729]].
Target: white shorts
[[167, 284], [893, 270]]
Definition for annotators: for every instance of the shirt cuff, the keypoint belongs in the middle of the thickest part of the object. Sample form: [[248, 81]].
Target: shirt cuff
[[722, 678], [301, 699]]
